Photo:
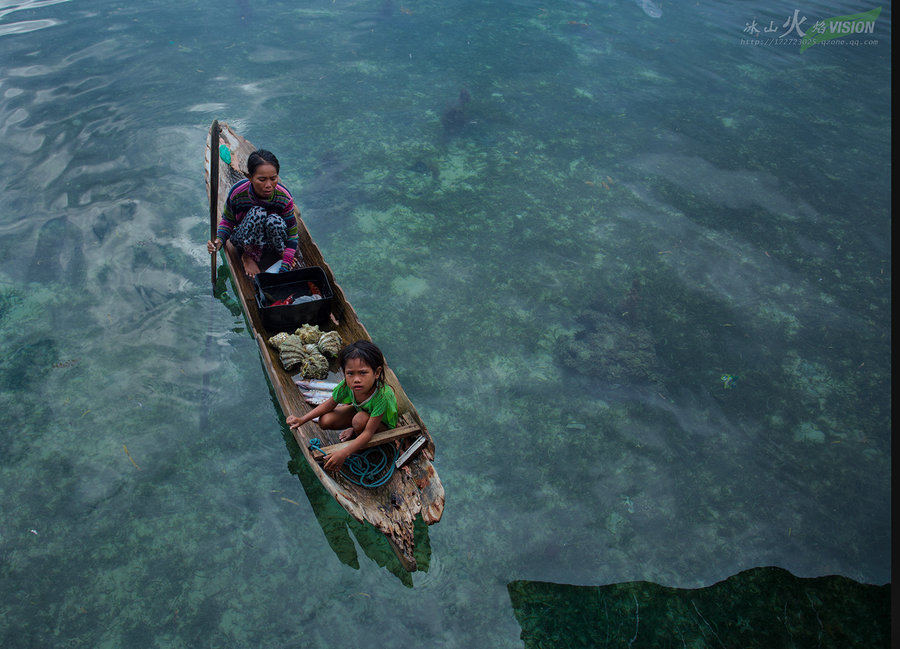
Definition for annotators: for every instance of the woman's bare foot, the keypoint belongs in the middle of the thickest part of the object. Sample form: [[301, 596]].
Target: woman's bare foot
[[250, 266], [347, 434]]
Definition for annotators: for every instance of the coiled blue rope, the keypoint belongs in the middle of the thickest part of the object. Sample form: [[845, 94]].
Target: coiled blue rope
[[371, 468]]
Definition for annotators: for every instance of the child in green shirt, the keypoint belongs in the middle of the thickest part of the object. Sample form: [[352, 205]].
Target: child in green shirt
[[362, 403]]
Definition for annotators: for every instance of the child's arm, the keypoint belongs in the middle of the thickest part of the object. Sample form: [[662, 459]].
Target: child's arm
[[335, 460], [295, 422]]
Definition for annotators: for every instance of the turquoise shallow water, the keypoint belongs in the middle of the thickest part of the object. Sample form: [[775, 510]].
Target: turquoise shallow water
[[561, 270]]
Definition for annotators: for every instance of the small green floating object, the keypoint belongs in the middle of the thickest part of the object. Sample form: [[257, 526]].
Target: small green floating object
[[728, 381], [225, 154]]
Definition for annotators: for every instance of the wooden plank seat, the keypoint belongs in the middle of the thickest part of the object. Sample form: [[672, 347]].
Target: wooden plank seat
[[381, 437]]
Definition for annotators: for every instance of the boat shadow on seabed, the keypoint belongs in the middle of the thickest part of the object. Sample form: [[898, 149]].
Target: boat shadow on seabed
[[759, 608]]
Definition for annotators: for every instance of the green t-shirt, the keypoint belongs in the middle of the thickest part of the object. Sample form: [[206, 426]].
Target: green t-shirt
[[382, 403]]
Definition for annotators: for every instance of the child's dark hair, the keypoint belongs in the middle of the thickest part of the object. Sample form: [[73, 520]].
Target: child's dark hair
[[368, 353], [261, 157]]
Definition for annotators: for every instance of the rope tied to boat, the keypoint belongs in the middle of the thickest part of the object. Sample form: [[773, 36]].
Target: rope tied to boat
[[371, 468]]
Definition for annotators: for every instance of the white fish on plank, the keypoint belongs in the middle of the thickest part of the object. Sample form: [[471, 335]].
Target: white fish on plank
[[316, 394], [313, 384]]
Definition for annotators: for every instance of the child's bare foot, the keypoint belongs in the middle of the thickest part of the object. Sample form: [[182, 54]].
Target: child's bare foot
[[347, 434], [250, 266]]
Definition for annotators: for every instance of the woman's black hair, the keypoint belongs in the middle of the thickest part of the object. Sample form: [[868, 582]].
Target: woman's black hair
[[261, 157], [368, 353]]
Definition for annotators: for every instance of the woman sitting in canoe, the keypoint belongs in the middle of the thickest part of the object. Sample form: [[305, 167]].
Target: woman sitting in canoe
[[362, 403], [259, 216]]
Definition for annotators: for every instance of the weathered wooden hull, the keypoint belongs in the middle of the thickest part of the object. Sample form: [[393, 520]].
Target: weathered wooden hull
[[415, 489]]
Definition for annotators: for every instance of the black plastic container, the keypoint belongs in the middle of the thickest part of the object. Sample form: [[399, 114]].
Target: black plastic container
[[272, 287]]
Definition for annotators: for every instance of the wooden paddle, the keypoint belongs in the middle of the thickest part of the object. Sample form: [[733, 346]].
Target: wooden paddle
[[213, 189], [205, 394]]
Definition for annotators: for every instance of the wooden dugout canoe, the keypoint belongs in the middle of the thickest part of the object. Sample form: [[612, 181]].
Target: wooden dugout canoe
[[416, 488]]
